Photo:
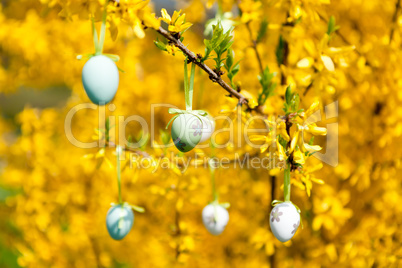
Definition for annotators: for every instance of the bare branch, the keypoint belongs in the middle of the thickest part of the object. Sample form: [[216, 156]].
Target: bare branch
[[214, 77]]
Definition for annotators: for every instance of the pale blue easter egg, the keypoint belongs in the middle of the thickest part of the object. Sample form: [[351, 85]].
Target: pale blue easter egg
[[100, 78], [119, 221], [186, 132]]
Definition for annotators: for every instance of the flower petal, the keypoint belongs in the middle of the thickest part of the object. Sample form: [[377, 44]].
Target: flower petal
[[328, 63]]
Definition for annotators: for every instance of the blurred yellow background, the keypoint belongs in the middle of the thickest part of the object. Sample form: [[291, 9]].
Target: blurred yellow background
[[54, 196]]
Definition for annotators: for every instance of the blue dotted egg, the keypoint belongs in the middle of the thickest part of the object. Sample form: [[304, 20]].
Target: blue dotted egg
[[119, 221], [100, 78]]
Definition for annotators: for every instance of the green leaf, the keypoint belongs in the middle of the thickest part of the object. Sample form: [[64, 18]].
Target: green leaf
[[229, 60], [165, 137], [295, 102], [280, 50], [219, 43], [262, 31], [267, 85], [288, 95], [311, 141], [332, 27], [160, 45], [282, 141]]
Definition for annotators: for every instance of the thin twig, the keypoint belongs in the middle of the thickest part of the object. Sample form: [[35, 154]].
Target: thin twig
[[338, 33], [254, 46], [308, 88], [214, 77], [285, 52], [394, 17]]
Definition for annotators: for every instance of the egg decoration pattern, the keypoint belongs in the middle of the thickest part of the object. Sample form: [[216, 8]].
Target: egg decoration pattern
[[119, 221], [100, 78], [284, 221], [186, 132], [207, 128]]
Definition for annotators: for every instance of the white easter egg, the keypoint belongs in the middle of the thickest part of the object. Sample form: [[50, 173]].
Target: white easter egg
[[284, 221], [208, 127], [215, 218], [100, 78]]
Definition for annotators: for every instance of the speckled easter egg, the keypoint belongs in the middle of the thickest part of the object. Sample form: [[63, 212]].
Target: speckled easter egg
[[284, 221], [215, 225], [119, 221], [186, 132], [100, 78], [208, 127]]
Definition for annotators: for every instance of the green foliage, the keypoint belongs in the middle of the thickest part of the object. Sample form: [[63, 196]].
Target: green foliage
[[332, 27], [219, 43], [280, 50], [262, 31], [282, 141], [231, 67], [161, 45], [311, 142], [268, 86], [165, 137], [292, 101]]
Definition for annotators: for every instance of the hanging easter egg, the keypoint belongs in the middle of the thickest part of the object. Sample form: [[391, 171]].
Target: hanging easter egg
[[186, 132], [119, 220], [208, 127], [215, 218], [100, 78], [284, 221]]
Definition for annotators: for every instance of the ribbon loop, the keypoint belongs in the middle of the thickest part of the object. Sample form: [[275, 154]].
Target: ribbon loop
[[177, 112], [193, 112]]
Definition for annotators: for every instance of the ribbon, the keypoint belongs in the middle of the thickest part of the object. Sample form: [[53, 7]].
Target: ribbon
[[178, 112], [277, 202]]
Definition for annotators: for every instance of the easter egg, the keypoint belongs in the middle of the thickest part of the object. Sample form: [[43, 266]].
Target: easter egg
[[100, 78], [284, 221], [186, 132], [215, 218], [119, 220], [208, 127]]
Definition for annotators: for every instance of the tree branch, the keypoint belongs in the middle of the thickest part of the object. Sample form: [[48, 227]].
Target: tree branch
[[394, 17], [255, 48], [214, 77]]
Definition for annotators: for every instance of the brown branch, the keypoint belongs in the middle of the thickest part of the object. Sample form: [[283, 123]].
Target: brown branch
[[254, 46], [177, 233], [214, 77], [285, 51], [394, 17], [308, 88], [285, 60]]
